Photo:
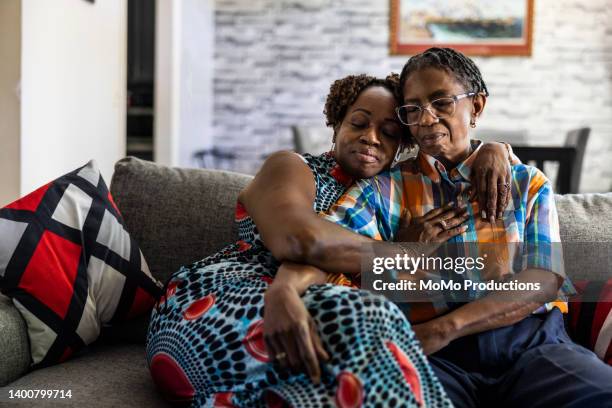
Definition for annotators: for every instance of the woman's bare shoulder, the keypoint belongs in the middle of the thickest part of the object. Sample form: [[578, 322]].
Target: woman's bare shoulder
[[283, 168], [284, 158]]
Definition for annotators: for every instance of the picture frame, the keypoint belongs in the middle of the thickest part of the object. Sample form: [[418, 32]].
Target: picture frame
[[474, 27]]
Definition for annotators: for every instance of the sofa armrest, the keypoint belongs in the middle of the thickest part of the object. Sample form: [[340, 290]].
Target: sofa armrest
[[14, 344]]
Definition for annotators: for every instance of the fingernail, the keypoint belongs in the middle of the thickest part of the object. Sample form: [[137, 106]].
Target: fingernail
[[464, 227], [483, 214]]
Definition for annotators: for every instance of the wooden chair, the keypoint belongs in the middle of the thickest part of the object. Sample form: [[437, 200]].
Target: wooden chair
[[569, 156]]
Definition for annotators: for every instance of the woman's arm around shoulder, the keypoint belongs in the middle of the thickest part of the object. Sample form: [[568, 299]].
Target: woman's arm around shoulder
[[280, 202]]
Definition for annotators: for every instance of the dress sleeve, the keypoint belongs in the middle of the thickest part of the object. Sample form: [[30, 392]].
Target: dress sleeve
[[367, 207]]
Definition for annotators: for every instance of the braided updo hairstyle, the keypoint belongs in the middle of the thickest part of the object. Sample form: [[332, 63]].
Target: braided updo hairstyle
[[450, 60], [343, 93]]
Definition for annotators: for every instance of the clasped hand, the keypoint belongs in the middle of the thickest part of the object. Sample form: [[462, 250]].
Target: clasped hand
[[436, 226], [290, 333]]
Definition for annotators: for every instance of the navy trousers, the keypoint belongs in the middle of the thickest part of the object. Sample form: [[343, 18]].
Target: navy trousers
[[532, 363]]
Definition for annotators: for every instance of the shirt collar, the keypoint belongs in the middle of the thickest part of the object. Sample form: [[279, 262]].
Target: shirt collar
[[433, 168]]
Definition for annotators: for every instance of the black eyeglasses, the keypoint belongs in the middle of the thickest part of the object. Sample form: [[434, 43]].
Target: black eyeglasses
[[440, 108]]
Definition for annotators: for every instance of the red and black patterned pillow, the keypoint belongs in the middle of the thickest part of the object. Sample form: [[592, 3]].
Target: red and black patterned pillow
[[70, 266], [590, 317]]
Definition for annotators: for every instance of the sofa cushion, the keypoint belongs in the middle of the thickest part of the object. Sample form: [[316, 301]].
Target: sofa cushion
[[14, 346], [177, 215], [69, 265], [102, 377], [586, 232], [585, 217]]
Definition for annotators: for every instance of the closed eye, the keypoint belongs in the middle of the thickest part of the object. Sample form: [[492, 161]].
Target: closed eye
[[442, 103], [411, 108], [359, 125]]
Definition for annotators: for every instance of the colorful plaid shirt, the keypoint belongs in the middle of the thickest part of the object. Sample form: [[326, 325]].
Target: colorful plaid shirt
[[374, 207]]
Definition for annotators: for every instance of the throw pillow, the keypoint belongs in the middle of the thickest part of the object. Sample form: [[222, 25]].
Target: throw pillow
[[70, 266], [590, 317]]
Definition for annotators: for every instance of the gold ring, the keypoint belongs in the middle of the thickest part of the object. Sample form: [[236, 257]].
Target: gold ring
[[443, 224]]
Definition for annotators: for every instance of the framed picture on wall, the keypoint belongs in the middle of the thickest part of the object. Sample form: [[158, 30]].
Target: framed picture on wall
[[474, 27]]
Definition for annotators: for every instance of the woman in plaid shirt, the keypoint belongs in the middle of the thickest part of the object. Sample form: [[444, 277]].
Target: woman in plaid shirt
[[495, 350]]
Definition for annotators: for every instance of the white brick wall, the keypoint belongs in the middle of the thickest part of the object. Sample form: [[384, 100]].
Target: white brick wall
[[274, 62]]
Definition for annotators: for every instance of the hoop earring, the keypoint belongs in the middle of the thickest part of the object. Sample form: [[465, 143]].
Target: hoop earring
[[398, 156]]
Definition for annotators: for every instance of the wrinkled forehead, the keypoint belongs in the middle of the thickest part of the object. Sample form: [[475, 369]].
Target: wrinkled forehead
[[430, 82]]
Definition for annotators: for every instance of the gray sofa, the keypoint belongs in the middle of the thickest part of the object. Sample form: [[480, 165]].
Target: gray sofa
[[179, 216]]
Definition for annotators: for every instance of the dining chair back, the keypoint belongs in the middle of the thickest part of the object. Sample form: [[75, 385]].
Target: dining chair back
[[578, 139]]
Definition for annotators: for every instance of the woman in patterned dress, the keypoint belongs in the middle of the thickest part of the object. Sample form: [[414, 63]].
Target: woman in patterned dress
[[206, 344]]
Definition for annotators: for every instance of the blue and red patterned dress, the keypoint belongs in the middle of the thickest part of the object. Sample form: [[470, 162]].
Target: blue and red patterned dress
[[205, 342]]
